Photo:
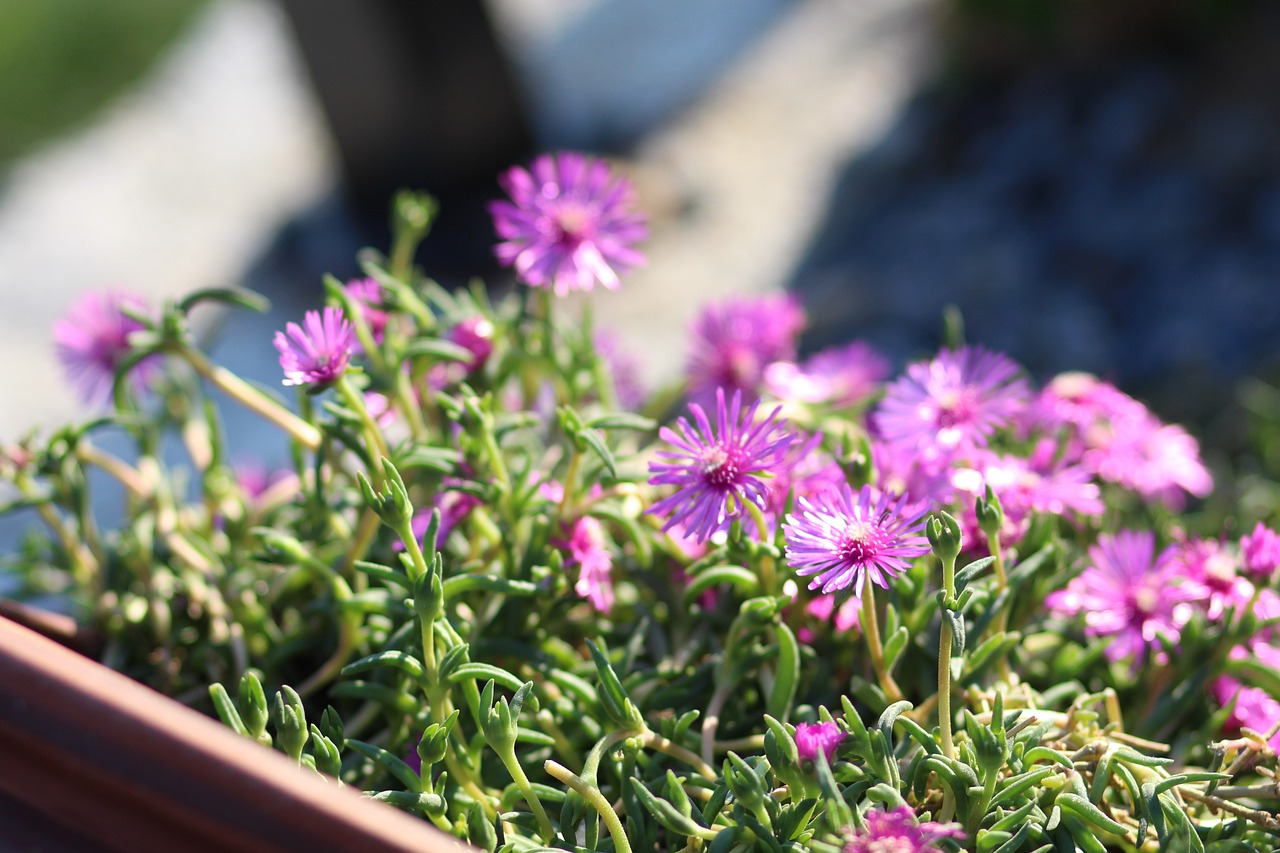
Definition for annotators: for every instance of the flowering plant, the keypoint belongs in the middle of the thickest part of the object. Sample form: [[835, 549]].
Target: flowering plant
[[820, 612]]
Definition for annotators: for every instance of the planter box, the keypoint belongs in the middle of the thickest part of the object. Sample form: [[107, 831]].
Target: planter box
[[90, 759]]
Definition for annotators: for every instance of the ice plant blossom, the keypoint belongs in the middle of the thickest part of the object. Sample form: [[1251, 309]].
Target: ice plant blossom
[[842, 538], [317, 352], [1128, 593], [92, 339], [896, 831], [569, 224], [953, 403], [719, 469], [814, 737], [733, 342]]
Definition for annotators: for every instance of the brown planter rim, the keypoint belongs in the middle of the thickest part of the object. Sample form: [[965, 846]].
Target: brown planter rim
[[99, 755]]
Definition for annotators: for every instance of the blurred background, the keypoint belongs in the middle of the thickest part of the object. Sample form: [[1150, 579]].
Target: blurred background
[[1095, 185]]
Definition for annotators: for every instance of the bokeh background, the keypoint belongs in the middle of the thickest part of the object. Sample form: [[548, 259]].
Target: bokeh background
[[1094, 185]]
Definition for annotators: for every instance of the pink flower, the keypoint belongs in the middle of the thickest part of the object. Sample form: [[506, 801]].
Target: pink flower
[[1081, 401], [1251, 707], [1210, 570], [896, 831], [843, 538], [569, 224], [366, 295], [587, 549], [1041, 484], [475, 335], [1129, 594], [1155, 460], [319, 353], [814, 737], [822, 607], [1260, 551], [953, 403], [92, 341], [717, 471], [839, 376], [735, 340]]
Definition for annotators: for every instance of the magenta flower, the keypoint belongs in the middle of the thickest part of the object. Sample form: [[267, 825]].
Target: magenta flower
[[1158, 461], [896, 831], [842, 538], [569, 224], [1251, 707], [588, 549], [718, 470], [952, 403], [1206, 566], [475, 335], [812, 737], [1040, 484], [838, 376], [806, 471], [1260, 552], [735, 340], [92, 339], [319, 353], [1129, 594], [846, 618], [366, 295]]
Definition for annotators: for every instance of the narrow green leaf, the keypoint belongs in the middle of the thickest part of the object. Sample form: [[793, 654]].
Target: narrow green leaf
[[786, 673], [400, 660]]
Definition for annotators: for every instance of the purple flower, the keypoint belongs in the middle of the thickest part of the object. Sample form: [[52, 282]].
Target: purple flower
[[812, 737], [475, 335], [896, 831], [839, 376], [1260, 552], [1129, 594], [846, 618], [92, 339], [952, 403], [1251, 707], [807, 471], [628, 385], [718, 470], [735, 340], [569, 224], [842, 538], [454, 505], [366, 295], [318, 354]]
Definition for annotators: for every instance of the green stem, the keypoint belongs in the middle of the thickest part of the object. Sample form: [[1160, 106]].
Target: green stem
[[597, 800], [711, 720], [944, 661], [871, 631], [251, 398], [512, 764]]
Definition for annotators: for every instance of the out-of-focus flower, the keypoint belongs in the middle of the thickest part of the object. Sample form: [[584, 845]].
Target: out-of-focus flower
[[1128, 593], [317, 352], [475, 335], [1251, 707], [366, 295], [1158, 461], [569, 224], [1041, 483], [92, 339], [1208, 567], [896, 831], [823, 607], [839, 376], [587, 548], [814, 737], [842, 537], [806, 471], [717, 470], [734, 341], [1260, 552], [628, 386], [952, 403]]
